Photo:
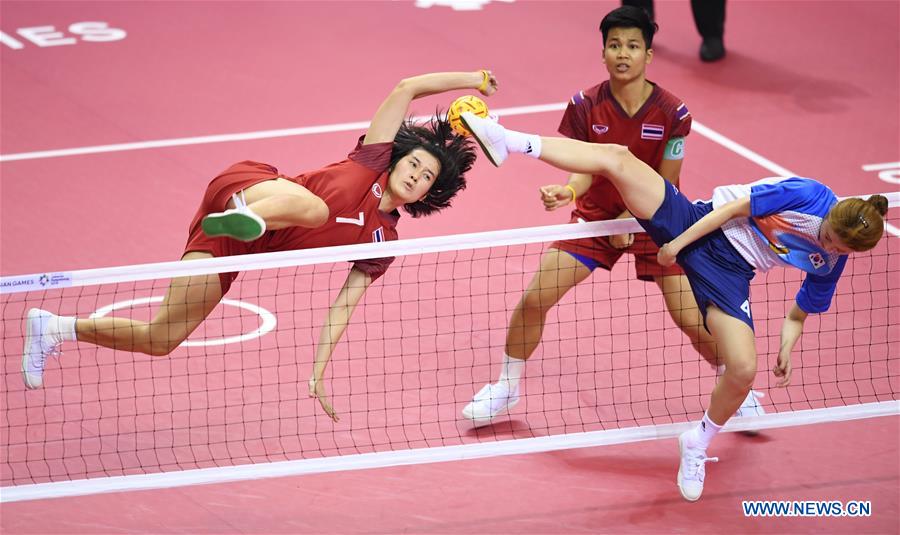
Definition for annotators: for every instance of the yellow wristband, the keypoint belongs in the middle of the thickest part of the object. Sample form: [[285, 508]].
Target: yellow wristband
[[570, 188], [486, 79]]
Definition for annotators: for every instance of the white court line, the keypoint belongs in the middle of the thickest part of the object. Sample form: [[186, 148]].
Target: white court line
[[741, 150], [243, 136], [697, 126], [385, 459], [881, 166], [701, 129]]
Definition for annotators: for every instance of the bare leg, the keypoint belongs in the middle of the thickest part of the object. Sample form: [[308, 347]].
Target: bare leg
[[559, 273], [188, 302], [642, 189], [737, 348], [282, 203], [683, 308]]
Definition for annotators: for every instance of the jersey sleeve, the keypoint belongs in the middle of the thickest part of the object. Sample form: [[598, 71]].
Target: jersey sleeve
[[575, 120], [817, 291], [681, 122], [792, 194], [375, 156], [374, 267]]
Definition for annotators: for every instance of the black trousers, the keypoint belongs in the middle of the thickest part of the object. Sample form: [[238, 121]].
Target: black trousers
[[709, 15]]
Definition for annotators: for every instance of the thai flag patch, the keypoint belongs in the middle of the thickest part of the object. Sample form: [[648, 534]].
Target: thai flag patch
[[681, 112], [378, 234], [578, 98], [652, 131]]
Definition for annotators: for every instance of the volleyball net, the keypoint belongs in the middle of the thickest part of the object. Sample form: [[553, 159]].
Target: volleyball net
[[611, 367]]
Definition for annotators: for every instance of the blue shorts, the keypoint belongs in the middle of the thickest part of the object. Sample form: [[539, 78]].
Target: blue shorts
[[717, 272], [588, 262]]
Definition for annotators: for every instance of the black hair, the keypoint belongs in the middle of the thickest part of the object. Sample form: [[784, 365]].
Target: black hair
[[629, 17], [455, 153]]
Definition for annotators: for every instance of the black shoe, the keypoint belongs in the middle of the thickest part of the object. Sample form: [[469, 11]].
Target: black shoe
[[712, 49]]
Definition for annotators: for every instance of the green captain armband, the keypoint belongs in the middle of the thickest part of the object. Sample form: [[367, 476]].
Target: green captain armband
[[674, 149]]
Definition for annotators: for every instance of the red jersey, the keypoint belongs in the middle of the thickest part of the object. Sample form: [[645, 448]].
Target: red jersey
[[595, 116], [351, 188]]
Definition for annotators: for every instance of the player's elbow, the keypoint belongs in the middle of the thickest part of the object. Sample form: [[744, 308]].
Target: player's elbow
[[405, 87]]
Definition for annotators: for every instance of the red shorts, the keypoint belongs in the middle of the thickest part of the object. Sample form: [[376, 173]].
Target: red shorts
[[643, 249], [239, 176]]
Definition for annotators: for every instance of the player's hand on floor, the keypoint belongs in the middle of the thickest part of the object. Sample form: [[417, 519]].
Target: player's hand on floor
[[621, 241], [555, 196], [317, 390], [666, 255]]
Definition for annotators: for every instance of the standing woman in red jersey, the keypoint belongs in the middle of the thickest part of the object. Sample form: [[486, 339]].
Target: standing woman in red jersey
[[627, 109], [252, 208]]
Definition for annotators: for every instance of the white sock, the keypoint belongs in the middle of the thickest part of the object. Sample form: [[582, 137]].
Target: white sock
[[720, 370], [702, 435], [62, 328], [511, 371], [527, 144]]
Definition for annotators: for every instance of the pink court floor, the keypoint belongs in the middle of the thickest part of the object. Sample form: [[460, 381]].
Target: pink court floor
[[115, 115]]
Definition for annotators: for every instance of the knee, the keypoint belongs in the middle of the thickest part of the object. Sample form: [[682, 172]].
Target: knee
[[161, 343], [611, 157], [741, 374], [535, 302], [318, 212], [164, 348]]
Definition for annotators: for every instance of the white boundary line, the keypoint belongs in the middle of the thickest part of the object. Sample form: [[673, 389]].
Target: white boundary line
[[243, 136], [701, 129], [429, 455], [696, 126], [741, 150], [881, 166], [269, 321]]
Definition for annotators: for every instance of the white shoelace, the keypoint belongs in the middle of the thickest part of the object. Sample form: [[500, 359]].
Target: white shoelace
[[239, 202], [752, 400], [54, 351], [696, 465]]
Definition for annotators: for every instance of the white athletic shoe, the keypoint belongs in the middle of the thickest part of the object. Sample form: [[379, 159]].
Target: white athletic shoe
[[489, 402], [38, 345], [751, 405], [239, 222], [692, 470], [489, 134]]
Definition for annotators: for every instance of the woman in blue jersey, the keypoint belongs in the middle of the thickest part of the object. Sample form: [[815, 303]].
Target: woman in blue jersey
[[778, 221]]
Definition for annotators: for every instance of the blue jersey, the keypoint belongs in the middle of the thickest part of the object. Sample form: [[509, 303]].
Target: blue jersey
[[786, 216]]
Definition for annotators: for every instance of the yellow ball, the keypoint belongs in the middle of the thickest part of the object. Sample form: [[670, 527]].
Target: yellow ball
[[463, 104]]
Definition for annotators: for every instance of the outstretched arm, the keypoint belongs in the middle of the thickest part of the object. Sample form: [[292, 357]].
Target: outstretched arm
[[791, 330], [707, 224], [556, 196], [393, 110], [338, 317]]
